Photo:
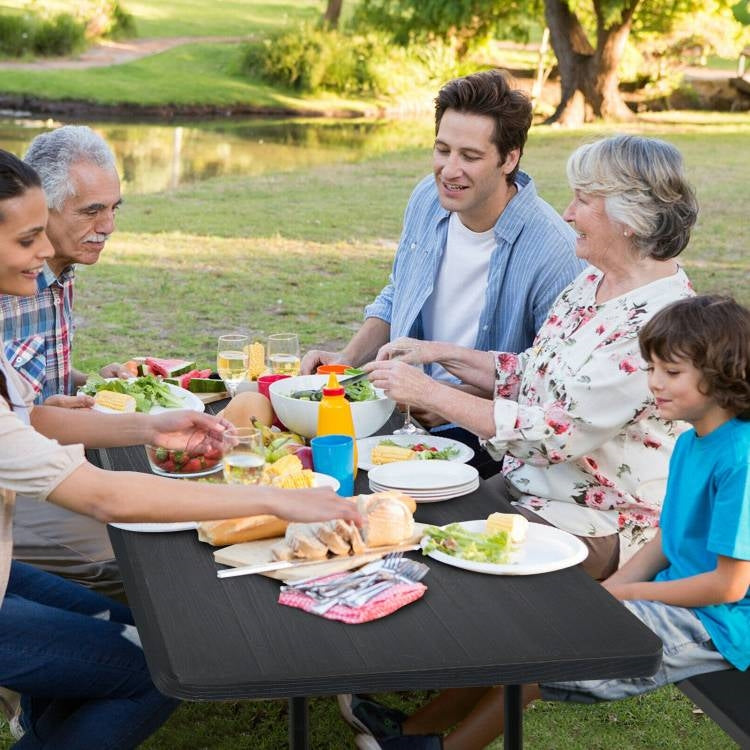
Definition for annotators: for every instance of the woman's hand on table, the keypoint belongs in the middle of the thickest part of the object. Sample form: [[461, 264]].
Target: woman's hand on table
[[400, 381], [317, 504]]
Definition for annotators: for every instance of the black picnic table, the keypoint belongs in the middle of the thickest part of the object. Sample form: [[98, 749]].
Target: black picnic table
[[227, 639]]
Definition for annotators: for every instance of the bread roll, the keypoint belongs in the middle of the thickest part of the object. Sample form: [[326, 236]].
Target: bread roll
[[388, 520], [235, 530]]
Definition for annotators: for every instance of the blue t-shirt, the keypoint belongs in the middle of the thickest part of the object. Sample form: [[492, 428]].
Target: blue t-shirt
[[707, 513]]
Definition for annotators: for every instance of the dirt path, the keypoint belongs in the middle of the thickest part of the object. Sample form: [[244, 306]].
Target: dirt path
[[109, 52]]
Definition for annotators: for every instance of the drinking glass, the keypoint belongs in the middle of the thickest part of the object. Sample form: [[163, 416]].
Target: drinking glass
[[244, 455], [232, 360], [408, 427], [283, 354]]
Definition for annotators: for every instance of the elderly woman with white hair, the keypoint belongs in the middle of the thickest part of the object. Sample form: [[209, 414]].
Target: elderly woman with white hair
[[572, 418]]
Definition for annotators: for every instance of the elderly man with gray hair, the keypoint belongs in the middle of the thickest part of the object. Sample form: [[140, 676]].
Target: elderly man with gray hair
[[80, 181]]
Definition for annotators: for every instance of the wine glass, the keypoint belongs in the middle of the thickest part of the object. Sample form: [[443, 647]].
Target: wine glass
[[244, 455], [232, 360], [283, 354], [408, 427]]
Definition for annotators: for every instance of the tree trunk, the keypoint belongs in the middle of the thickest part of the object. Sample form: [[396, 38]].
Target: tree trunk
[[332, 14], [588, 77]]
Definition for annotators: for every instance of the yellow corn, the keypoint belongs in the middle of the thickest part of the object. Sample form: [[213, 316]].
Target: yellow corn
[[514, 523], [287, 463], [115, 401], [294, 480], [386, 454], [256, 360]]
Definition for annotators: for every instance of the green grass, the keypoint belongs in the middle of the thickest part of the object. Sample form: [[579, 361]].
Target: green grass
[[189, 74], [189, 17]]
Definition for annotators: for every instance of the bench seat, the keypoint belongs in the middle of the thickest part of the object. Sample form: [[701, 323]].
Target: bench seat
[[724, 697]]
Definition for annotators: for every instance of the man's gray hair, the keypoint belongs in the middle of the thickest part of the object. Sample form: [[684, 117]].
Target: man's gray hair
[[53, 154]]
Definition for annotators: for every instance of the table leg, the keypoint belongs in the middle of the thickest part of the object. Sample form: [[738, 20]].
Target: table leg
[[513, 735], [298, 734]]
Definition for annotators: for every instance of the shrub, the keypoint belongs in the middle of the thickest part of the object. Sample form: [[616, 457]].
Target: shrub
[[310, 59], [15, 35], [60, 35]]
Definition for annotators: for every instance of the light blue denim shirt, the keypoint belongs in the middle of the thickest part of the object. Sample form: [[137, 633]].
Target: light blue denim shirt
[[533, 261]]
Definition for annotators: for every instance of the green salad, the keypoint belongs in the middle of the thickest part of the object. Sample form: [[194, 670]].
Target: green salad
[[455, 540], [147, 391], [359, 391]]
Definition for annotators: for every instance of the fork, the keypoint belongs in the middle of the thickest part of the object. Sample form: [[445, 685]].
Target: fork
[[407, 571], [353, 580]]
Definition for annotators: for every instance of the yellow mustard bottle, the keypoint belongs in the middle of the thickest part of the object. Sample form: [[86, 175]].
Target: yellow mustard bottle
[[335, 413]]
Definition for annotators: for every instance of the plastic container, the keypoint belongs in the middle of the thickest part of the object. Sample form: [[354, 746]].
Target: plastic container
[[335, 414]]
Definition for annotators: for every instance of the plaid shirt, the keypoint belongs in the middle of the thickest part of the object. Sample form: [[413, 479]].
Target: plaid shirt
[[37, 333]]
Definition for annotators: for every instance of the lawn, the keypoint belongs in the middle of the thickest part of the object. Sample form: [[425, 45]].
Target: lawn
[[189, 17]]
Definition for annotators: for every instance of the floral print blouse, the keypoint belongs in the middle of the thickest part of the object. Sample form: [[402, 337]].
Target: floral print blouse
[[575, 420]]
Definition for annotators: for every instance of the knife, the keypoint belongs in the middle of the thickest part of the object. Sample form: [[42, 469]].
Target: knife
[[244, 570]]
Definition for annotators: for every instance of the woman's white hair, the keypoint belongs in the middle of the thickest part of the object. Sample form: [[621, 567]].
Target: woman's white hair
[[644, 187], [53, 154]]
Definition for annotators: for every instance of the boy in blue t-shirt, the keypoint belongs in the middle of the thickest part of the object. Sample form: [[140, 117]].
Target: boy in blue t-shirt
[[690, 583]]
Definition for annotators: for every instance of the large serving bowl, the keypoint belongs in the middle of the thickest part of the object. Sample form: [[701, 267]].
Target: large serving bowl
[[301, 416]]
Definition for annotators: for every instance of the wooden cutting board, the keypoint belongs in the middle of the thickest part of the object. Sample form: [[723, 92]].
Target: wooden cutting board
[[252, 553], [209, 398]]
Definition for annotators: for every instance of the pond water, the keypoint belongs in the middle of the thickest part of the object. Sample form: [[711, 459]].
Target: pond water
[[153, 157]]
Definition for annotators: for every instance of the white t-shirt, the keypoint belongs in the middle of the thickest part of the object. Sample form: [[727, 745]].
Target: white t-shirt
[[451, 312]]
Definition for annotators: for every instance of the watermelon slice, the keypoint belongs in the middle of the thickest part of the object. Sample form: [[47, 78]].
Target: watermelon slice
[[169, 368], [184, 380]]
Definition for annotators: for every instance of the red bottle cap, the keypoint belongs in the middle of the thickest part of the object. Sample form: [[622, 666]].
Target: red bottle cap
[[332, 387]]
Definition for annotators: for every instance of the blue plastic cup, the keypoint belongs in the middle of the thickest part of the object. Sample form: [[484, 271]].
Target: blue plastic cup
[[334, 455]]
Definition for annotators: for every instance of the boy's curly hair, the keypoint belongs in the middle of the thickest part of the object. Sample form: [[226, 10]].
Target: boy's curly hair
[[712, 332]]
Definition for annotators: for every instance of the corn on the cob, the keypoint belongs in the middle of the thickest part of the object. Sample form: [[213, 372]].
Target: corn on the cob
[[115, 401], [285, 464], [386, 454], [256, 360], [294, 480], [516, 526]]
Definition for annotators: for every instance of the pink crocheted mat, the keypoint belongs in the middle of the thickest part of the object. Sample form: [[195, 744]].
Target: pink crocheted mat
[[393, 598]]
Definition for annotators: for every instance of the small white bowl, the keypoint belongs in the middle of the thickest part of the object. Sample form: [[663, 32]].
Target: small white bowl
[[301, 416]]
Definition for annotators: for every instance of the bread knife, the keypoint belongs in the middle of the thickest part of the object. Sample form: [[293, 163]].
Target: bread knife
[[244, 570]]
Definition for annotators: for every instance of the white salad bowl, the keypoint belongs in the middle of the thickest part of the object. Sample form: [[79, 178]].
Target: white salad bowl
[[301, 416]]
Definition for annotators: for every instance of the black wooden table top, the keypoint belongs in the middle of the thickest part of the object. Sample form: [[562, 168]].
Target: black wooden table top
[[207, 638]]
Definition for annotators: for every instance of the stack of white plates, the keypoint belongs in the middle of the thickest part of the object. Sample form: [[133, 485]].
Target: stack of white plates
[[425, 481]]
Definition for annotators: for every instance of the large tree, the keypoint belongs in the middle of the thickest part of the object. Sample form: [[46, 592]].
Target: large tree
[[587, 36], [588, 75]]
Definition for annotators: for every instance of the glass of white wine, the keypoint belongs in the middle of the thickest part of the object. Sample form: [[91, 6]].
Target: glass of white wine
[[283, 354], [244, 455], [232, 360]]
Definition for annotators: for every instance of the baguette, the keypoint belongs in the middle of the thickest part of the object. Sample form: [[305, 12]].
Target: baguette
[[236, 530]]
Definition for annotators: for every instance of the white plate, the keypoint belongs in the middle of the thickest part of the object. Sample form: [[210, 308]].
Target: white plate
[[434, 497], [472, 485], [546, 549], [423, 475], [157, 528], [365, 446], [189, 401], [325, 480]]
